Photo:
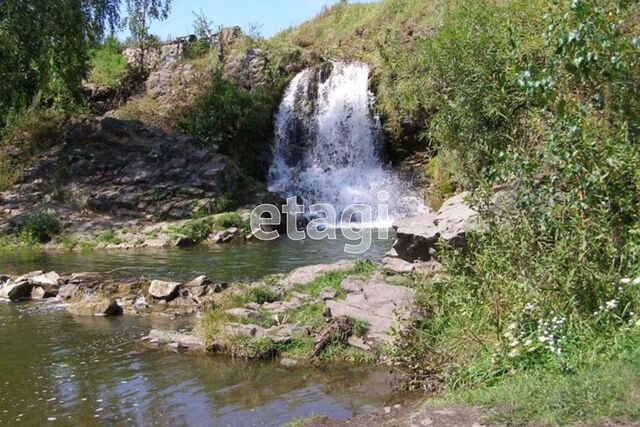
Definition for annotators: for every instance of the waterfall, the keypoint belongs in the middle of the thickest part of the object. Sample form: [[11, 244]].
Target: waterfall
[[328, 144]]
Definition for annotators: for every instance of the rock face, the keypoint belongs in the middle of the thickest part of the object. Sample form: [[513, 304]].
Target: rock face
[[113, 172], [164, 54], [248, 69], [418, 236], [164, 290], [380, 305]]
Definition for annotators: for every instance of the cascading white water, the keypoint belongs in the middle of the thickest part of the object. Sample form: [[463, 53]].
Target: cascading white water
[[327, 144]]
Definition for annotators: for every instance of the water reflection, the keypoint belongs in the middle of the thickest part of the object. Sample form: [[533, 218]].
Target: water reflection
[[222, 263], [87, 371]]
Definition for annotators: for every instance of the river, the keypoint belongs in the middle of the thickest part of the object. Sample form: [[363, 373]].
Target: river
[[61, 369]]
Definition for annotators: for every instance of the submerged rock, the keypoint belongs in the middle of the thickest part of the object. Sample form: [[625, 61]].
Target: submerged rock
[[164, 290], [95, 306], [175, 339]]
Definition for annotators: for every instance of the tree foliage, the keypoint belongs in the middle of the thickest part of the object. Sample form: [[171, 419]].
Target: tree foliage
[[44, 46], [43, 49], [140, 15]]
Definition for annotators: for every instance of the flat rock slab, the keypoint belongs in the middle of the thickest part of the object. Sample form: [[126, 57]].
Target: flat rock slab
[[380, 305], [397, 265], [45, 280], [305, 275], [278, 334], [176, 339]]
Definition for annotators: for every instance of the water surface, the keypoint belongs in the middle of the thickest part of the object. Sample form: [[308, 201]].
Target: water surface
[[61, 369], [69, 370], [235, 261]]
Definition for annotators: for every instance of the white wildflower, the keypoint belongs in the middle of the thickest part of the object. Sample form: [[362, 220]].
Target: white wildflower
[[612, 305], [625, 281], [636, 281]]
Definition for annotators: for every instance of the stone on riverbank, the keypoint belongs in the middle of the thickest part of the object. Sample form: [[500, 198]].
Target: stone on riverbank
[[175, 339], [16, 291], [305, 275], [160, 289], [280, 334], [417, 236], [95, 306]]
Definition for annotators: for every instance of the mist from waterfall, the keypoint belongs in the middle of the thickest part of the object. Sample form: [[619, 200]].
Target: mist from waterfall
[[328, 144]]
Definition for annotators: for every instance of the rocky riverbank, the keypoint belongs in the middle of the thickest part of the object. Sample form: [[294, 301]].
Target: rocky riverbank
[[346, 306]]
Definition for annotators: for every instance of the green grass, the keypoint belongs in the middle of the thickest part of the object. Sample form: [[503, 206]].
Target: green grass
[[24, 244], [605, 388], [107, 63], [308, 314], [108, 237], [257, 295]]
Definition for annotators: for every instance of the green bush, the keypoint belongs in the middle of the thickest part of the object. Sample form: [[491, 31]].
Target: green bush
[[107, 63], [42, 227], [196, 230], [231, 120], [231, 219]]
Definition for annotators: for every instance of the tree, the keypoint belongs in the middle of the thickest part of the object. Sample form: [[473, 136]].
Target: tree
[[140, 15], [43, 49]]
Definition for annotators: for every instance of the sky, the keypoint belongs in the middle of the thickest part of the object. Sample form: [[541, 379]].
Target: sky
[[268, 16]]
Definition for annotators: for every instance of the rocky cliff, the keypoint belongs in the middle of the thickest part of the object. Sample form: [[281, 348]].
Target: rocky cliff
[[110, 171]]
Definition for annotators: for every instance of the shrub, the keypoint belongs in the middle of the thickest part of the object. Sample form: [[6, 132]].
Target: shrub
[[42, 227], [107, 63], [231, 120], [231, 219], [196, 230], [548, 288]]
